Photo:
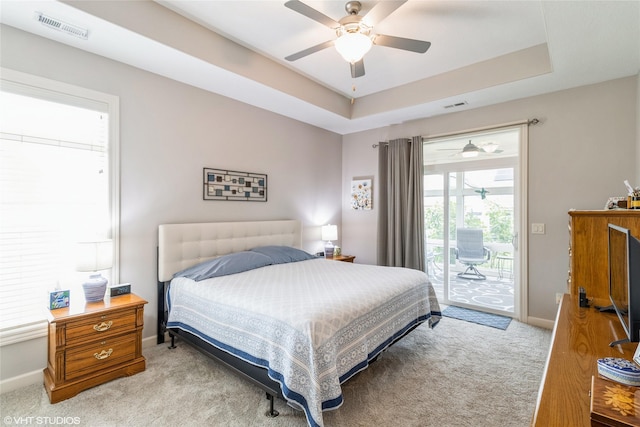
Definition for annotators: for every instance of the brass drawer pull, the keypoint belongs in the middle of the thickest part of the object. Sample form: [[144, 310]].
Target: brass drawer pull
[[103, 326], [103, 354]]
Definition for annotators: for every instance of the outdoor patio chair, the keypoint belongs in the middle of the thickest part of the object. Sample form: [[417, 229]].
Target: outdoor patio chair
[[470, 250]]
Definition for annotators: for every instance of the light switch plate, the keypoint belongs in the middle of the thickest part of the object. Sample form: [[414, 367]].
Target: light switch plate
[[537, 228]]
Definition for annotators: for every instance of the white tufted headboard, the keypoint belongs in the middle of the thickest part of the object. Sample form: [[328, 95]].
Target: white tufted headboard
[[183, 245]]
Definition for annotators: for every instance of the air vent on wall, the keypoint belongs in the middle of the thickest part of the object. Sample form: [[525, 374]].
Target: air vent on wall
[[59, 25], [456, 105]]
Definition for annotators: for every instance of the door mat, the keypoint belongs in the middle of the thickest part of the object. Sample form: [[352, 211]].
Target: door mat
[[474, 316]]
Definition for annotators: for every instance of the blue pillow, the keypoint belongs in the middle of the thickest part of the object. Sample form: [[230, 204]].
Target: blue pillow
[[283, 254], [225, 265]]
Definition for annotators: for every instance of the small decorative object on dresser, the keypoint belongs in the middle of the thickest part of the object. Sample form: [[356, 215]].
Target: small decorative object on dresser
[[92, 343], [621, 370], [121, 289], [58, 299], [616, 203], [633, 198], [614, 404]]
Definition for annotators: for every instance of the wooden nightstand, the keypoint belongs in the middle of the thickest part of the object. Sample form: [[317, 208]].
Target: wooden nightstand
[[344, 258], [92, 343]]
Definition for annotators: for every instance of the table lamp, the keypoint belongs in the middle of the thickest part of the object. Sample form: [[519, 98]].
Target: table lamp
[[329, 233], [93, 257]]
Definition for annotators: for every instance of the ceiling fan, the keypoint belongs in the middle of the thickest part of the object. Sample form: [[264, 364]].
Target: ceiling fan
[[472, 150], [355, 33], [483, 193]]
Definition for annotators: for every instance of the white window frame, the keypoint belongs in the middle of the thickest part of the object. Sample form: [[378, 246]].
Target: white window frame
[[521, 188], [73, 95]]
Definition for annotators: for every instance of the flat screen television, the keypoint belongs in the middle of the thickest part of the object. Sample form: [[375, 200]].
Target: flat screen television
[[624, 280]]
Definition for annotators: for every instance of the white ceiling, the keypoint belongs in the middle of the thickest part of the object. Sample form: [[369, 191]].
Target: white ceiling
[[482, 52]]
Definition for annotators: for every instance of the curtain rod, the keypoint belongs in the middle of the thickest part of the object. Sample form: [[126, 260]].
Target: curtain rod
[[531, 122]]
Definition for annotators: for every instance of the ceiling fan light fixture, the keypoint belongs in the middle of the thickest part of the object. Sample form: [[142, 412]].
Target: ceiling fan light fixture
[[490, 147], [470, 150], [352, 46]]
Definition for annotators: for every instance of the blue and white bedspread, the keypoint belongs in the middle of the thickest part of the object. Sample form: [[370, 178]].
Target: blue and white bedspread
[[313, 324]]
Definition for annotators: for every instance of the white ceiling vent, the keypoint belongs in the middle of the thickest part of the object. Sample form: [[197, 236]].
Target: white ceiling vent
[[59, 25], [456, 105]]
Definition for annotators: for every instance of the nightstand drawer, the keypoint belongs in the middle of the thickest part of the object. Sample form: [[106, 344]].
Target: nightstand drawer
[[98, 355], [93, 327]]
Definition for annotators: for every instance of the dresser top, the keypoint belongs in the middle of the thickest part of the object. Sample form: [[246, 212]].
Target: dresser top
[[79, 307], [606, 212]]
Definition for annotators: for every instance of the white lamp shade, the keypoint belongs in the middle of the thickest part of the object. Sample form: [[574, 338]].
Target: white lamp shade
[[353, 46], [94, 256], [329, 232]]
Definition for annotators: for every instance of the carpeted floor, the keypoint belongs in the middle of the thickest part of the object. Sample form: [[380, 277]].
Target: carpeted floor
[[458, 374]]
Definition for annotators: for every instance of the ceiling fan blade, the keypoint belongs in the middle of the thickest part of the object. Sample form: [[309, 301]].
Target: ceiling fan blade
[[357, 69], [412, 45], [309, 51], [381, 11], [311, 13]]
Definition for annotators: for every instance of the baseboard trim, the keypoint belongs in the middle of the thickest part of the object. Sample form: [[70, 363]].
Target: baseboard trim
[[542, 323], [36, 377], [20, 381]]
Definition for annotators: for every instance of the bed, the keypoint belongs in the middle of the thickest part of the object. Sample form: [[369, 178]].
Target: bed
[[296, 325]]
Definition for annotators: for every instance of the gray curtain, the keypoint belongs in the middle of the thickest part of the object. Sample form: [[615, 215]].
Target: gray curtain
[[401, 213]]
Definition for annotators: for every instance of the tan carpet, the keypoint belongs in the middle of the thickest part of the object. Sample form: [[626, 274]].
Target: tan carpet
[[458, 374]]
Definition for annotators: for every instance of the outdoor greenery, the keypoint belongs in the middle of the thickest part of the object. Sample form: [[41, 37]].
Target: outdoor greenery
[[497, 224], [500, 224], [486, 204]]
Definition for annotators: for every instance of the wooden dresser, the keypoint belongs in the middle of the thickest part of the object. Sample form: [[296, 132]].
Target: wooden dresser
[[92, 343], [588, 265], [581, 336]]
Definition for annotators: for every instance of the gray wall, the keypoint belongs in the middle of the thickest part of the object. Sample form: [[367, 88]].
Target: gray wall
[[579, 155], [168, 132]]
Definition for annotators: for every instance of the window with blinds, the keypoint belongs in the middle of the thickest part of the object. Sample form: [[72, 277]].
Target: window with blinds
[[54, 191]]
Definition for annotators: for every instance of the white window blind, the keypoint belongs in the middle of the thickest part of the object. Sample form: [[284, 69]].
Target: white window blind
[[54, 191]]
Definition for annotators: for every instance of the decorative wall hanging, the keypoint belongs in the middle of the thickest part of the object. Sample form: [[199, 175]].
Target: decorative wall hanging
[[361, 194], [232, 185]]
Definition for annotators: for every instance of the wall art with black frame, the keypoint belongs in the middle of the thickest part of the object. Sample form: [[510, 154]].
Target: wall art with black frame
[[219, 184]]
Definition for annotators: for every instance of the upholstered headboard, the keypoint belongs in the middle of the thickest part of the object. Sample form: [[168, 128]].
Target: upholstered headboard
[[183, 245]]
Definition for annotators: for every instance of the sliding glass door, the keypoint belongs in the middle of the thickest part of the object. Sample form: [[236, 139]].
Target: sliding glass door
[[471, 219]]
